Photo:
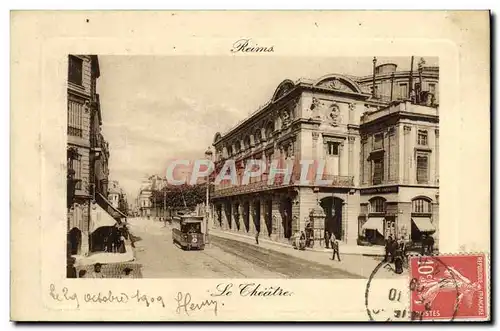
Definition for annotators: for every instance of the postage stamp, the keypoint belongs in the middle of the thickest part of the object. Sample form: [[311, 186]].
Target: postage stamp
[[453, 287]]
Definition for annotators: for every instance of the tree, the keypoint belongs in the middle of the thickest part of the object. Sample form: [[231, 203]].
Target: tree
[[179, 196]]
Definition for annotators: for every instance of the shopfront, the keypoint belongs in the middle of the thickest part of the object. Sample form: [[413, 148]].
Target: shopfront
[[421, 218], [378, 217]]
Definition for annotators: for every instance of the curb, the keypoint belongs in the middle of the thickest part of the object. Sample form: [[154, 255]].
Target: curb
[[248, 238]]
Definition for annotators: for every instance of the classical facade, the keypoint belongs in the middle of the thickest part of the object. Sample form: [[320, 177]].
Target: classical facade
[[380, 159], [87, 156]]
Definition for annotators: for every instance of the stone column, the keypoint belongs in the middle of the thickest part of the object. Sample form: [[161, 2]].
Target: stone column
[[307, 202], [317, 147], [263, 227], [436, 157], [276, 219], [350, 149], [240, 217], [344, 158], [407, 154], [84, 215], [230, 222], [352, 212], [401, 154], [251, 218], [435, 222], [412, 160]]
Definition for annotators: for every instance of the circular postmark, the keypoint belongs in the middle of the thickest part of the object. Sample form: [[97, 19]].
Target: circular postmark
[[394, 301]]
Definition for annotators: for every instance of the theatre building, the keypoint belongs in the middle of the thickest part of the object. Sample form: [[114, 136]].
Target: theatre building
[[399, 184], [380, 154]]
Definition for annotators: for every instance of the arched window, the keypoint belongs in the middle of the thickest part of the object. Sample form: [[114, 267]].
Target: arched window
[[257, 136], [377, 205], [269, 130], [247, 142], [421, 205]]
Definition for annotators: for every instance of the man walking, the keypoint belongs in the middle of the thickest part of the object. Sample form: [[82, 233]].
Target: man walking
[[257, 237], [388, 249], [430, 245], [424, 244], [335, 245], [327, 239]]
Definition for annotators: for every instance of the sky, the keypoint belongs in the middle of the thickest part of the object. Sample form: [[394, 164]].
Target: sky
[[158, 108]]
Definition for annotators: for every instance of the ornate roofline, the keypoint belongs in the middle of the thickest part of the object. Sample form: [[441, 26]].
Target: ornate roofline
[[341, 78]]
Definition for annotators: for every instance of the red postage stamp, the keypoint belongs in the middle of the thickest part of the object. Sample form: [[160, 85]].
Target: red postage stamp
[[449, 287]]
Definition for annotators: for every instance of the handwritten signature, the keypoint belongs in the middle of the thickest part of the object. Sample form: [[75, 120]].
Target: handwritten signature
[[185, 306]]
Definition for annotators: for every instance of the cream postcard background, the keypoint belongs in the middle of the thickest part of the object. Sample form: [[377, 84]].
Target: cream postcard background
[[40, 42]]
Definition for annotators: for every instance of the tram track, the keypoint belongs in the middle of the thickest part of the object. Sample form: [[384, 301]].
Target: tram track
[[219, 261], [280, 263], [227, 265]]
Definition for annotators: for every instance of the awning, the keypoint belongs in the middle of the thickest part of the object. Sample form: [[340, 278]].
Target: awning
[[424, 224], [106, 205], [374, 223], [99, 218]]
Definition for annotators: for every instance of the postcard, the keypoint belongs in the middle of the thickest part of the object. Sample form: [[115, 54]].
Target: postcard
[[250, 166]]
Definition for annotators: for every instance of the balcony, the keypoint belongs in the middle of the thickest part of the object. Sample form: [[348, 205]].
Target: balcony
[[261, 184]]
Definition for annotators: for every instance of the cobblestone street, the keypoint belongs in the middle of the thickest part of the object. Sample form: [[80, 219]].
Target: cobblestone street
[[228, 258]]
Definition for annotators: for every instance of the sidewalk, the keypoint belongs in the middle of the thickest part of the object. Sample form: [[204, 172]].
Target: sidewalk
[[345, 249], [353, 262]]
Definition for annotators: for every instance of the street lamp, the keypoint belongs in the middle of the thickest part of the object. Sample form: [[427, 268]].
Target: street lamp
[[208, 156]]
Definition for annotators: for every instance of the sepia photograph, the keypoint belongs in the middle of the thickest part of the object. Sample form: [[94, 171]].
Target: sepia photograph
[[251, 167]]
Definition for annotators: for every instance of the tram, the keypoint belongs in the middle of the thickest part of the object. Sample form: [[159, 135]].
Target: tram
[[187, 232]]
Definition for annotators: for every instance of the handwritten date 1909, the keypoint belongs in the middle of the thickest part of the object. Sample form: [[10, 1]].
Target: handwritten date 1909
[[105, 297]]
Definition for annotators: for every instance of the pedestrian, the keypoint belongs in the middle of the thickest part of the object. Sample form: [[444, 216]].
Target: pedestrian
[[388, 248], [127, 273], [394, 248], [398, 260], [97, 271], [335, 245], [309, 235], [257, 237], [327, 239], [70, 267], [121, 246], [424, 244], [430, 244], [302, 241]]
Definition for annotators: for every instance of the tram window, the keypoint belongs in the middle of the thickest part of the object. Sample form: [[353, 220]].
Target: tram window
[[191, 228]]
